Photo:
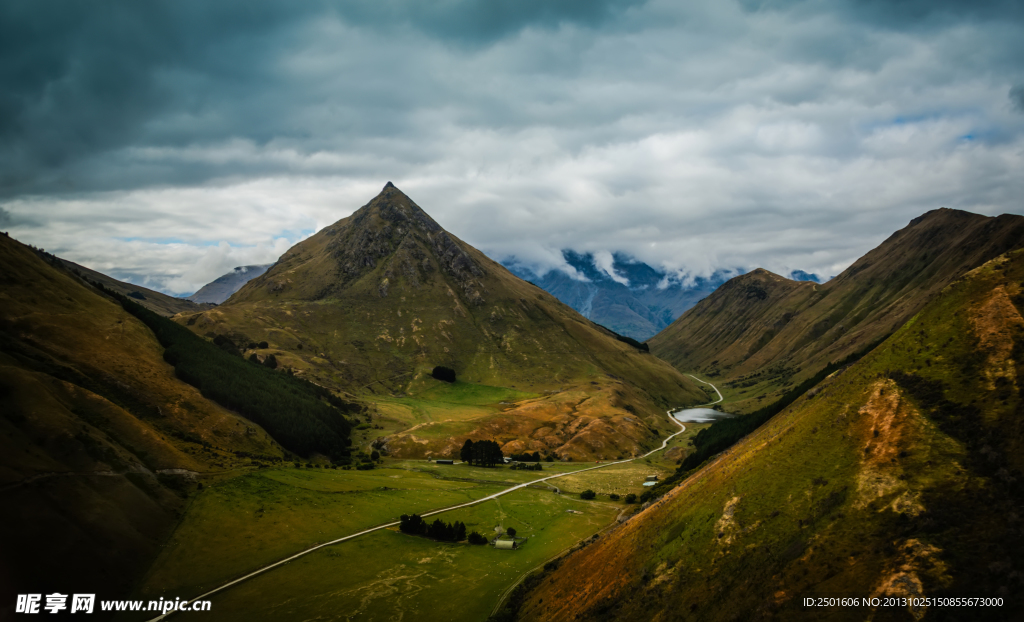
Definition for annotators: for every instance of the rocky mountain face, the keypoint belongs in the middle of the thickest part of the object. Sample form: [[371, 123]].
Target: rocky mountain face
[[221, 288], [98, 438], [640, 307], [761, 333], [899, 476], [372, 303], [639, 302]]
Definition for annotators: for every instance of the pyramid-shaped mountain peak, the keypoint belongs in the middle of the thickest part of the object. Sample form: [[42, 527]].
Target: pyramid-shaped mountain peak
[[396, 208], [388, 245], [377, 300]]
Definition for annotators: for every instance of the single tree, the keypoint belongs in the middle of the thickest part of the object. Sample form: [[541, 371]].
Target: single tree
[[447, 374], [588, 494], [511, 531]]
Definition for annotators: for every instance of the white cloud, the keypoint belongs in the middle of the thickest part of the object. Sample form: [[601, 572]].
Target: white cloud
[[696, 137]]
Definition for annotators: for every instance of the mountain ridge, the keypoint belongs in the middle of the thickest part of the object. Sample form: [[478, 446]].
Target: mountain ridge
[[370, 304], [870, 485], [760, 334], [645, 304], [99, 440]]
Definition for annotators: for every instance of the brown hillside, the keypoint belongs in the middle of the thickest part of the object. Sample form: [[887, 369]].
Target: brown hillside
[[898, 476], [95, 434], [761, 332], [373, 302]]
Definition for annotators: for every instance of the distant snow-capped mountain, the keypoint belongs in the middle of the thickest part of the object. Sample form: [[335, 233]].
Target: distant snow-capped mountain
[[219, 290], [627, 296]]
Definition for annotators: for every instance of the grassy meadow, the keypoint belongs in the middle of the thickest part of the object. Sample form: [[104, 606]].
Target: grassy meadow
[[234, 526], [388, 575]]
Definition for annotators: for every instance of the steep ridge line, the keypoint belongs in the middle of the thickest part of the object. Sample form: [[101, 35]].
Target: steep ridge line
[[664, 444]]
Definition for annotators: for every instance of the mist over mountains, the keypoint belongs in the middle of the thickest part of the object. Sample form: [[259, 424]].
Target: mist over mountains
[[625, 294], [615, 290], [220, 289]]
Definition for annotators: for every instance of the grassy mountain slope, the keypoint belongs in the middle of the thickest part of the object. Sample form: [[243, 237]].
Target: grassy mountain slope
[[153, 300], [95, 431], [373, 302], [761, 333], [901, 475]]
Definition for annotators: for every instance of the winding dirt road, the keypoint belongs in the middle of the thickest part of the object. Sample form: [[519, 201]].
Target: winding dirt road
[[664, 444]]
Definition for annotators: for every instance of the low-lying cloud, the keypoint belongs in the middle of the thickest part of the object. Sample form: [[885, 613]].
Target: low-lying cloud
[[168, 142]]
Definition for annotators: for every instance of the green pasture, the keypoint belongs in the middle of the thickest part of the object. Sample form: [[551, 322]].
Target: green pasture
[[235, 526], [497, 474], [440, 409], [388, 575], [441, 401]]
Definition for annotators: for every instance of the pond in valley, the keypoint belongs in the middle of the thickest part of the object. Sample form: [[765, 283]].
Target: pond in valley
[[700, 415]]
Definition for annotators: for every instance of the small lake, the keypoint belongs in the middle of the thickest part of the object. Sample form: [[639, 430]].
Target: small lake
[[700, 415]]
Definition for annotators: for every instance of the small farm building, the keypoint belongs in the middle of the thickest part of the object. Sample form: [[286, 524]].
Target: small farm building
[[444, 462], [505, 544]]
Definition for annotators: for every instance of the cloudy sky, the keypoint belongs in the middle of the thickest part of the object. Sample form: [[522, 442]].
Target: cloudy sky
[[167, 142]]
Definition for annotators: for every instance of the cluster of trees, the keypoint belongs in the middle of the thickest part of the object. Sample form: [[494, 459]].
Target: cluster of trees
[[526, 467], [437, 530], [303, 417], [643, 347], [588, 494], [481, 453], [527, 457], [475, 538], [446, 374]]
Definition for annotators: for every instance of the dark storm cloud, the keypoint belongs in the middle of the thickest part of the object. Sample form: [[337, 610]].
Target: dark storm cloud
[[1017, 97], [902, 13], [81, 78], [899, 13], [675, 132], [481, 21]]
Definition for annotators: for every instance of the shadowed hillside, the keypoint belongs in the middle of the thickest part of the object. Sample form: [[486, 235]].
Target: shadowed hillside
[[100, 443], [761, 333], [372, 303], [901, 475]]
